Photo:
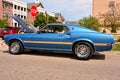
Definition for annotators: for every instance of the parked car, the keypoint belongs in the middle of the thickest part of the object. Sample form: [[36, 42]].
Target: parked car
[[83, 42], [8, 30]]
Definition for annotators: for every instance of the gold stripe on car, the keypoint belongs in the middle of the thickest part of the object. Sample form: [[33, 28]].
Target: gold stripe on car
[[102, 44], [45, 42]]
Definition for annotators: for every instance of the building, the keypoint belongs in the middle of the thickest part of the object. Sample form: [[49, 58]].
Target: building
[[1, 8], [103, 6], [71, 22], [22, 10], [13, 7], [59, 18], [50, 14], [40, 9], [19, 9], [6, 9]]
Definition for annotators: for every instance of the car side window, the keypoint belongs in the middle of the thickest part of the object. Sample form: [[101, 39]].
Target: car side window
[[55, 29], [65, 30]]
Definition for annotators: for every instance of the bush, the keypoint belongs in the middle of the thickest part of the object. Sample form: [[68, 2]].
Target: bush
[[90, 22], [4, 22], [119, 40]]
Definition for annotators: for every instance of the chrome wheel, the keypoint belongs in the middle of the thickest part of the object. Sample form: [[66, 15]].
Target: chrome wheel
[[15, 47], [82, 51]]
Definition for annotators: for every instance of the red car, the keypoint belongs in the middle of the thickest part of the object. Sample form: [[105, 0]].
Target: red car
[[8, 30]]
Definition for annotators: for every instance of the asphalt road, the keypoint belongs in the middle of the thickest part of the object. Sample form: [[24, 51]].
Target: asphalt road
[[58, 66]]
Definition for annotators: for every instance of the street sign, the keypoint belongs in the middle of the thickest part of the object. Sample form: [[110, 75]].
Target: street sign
[[33, 11]]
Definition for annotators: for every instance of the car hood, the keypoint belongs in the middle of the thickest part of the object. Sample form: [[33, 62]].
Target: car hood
[[24, 25]]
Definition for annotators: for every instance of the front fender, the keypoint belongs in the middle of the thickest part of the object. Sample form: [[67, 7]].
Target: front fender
[[10, 39]]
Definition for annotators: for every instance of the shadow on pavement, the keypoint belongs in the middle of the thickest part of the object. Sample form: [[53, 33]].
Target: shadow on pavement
[[96, 56]]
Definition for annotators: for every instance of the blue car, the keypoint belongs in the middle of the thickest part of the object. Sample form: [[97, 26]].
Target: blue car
[[83, 42]]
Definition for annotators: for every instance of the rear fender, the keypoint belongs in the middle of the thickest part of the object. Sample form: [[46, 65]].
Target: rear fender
[[83, 40]]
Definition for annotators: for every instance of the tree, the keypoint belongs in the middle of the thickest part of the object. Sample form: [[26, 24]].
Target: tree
[[111, 19], [89, 22], [41, 20], [51, 19], [4, 23]]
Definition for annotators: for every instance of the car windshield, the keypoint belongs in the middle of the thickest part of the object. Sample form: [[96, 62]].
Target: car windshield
[[31, 27]]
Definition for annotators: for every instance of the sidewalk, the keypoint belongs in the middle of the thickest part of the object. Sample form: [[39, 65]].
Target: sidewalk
[[3, 46]]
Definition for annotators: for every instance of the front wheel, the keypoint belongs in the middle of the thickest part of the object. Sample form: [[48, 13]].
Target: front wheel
[[83, 50], [15, 47]]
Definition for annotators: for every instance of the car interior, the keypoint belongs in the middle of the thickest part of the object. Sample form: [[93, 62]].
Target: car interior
[[54, 29]]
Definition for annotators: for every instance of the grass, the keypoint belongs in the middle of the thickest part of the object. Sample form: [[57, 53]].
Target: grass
[[116, 47]]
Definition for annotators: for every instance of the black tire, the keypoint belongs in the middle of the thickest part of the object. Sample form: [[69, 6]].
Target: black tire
[[15, 47], [83, 50]]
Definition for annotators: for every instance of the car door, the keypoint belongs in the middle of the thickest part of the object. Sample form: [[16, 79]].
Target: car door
[[50, 41]]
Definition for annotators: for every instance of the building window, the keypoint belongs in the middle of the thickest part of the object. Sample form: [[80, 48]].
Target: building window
[[15, 24], [21, 8], [5, 15], [6, 5], [111, 13], [18, 7], [15, 6], [15, 14], [111, 3], [24, 17], [25, 9], [19, 16], [28, 11]]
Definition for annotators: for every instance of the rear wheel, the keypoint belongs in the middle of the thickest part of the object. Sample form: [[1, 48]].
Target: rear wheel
[[83, 50], [16, 47]]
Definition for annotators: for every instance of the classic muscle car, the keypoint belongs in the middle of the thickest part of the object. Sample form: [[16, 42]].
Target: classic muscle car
[[83, 42]]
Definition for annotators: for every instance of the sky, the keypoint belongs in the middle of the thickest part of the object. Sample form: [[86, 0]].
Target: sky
[[72, 10]]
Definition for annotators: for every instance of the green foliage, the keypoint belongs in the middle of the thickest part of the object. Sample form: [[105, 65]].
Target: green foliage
[[51, 19], [4, 23], [89, 22], [41, 20], [118, 40], [116, 47]]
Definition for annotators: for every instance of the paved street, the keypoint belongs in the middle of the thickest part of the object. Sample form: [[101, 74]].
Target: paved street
[[58, 66]]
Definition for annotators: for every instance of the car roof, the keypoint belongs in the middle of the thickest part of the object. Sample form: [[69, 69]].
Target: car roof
[[67, 25], [73, 27]]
